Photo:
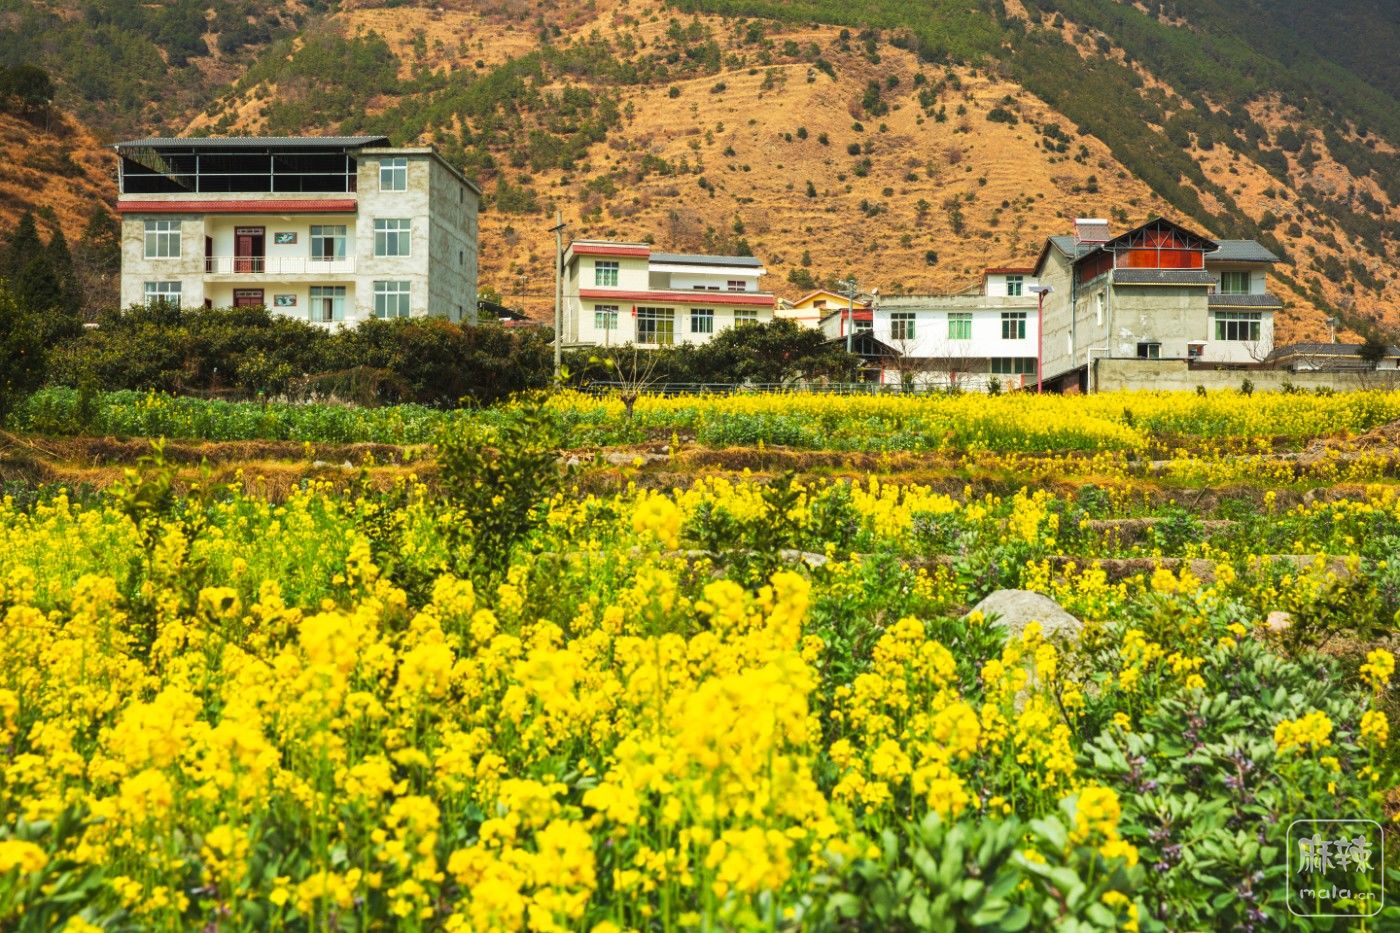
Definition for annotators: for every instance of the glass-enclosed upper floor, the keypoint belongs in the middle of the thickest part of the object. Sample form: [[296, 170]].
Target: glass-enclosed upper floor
[[241, 165]]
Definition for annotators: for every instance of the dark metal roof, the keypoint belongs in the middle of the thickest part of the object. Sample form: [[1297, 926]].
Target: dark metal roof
[[1325, 349], [865, 343], [1241, 251], [1073, 248], [1265, 300], [1163, 277], [252, 142], [698, 259]]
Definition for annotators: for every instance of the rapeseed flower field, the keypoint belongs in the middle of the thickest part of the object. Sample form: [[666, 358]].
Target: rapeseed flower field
[[514, 693]]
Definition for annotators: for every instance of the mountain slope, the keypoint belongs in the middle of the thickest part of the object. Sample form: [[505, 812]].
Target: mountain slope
[[908, 144]]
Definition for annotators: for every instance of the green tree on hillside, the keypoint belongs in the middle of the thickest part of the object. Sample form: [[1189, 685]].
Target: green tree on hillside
[[21, 352]]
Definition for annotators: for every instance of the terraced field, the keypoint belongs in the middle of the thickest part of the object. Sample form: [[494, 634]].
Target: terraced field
[[793, 662]]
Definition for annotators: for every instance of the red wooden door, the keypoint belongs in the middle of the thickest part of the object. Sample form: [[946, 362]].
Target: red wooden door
[[248, 249]]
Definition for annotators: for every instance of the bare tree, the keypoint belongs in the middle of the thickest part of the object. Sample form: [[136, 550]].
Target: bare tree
[[635, 373]]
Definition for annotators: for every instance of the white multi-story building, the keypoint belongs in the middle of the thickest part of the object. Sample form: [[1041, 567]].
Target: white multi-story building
[[617, 293], [949, 339], [333, 230]]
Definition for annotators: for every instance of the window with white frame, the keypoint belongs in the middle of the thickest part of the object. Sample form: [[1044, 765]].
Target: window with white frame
[[327, 242], [605, 273], [902, 325], [327, 304], [737, 285], [392, 237], [391, 299], [605, 317], [864, 325], [1013, 365], [1234, 282], [1013, 325], [1014, 284], [656, 326], [745, 316], [702, 320], [162, 239], [163, 293], [393, 174], [960, 325], [1238, 325], [1149, 350]]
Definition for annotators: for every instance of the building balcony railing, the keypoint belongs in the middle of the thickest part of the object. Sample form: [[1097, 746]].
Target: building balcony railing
[[277, 265]]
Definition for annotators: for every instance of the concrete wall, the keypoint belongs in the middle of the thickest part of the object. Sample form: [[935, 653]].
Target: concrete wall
[[627, 324], [931, 334], [413, 205], [187, 268], [1177, 376], [1060, 353], [452, 246], [996, 285], [1169, 315]]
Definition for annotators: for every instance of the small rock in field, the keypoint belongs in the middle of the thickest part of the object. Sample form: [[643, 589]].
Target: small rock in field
[[1015, 609], [1279, 621]]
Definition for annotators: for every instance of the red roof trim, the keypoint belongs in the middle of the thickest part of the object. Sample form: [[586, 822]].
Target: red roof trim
[[602, 249], [695, 298], [1007, 270], [290, 206]]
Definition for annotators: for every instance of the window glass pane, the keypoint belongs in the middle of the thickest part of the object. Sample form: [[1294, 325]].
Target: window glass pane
[[162, 239], [1013, 285], [168, 292], [1013, 325], [393, 174], [745, 316], [960, 326], [327, 303], [1237, 325], [902, 325], [656, 326], [604, 273], [391, 237], [605, 317], [327, 242], [1234, 282], [702, 321], [391, 299]]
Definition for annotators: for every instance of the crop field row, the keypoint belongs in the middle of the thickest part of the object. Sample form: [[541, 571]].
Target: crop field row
[[547, 667]]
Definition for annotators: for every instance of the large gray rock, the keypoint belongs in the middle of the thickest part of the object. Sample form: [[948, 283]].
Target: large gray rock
[[1013, 610]]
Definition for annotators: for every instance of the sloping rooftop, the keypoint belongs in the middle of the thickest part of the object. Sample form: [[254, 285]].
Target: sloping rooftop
[[1325, 349], [1241, 251], [698, 259], [1163, 277], [1265, 300], [252, 142], [1072, 248]]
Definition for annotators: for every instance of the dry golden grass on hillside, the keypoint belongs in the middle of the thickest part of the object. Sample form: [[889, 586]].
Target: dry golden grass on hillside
[[60, 172], [894, 227]]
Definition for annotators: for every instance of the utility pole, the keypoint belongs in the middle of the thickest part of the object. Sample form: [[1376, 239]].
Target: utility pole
[[558, 231], [850, 312], [1040, 292]]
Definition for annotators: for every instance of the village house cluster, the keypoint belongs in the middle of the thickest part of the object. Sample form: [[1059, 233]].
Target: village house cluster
[[341, 230]]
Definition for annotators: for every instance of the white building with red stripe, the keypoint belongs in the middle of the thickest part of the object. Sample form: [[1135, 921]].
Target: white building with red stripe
[[333, 230], [618, 293]]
